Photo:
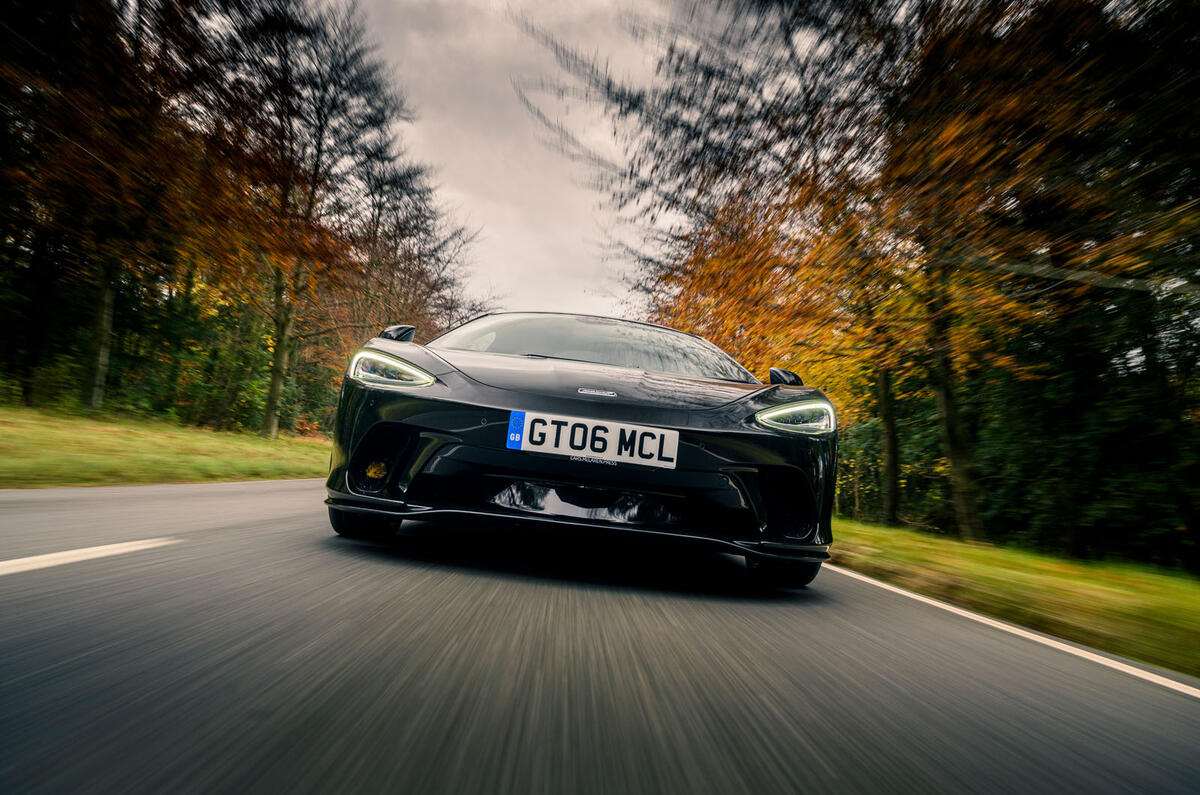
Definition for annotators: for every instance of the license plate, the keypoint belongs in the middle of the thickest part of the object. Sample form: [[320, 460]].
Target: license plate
[[593, 440]]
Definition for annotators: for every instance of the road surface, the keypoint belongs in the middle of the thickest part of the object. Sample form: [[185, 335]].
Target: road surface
[[239, 646]]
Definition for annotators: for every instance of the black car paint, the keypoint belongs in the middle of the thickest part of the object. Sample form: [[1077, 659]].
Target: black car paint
[[736, 484]]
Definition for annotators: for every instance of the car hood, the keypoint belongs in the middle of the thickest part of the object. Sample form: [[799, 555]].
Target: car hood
[[564, 378]]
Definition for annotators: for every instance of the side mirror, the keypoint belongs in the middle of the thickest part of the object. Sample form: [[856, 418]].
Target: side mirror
[[781, 376], [399, 333]]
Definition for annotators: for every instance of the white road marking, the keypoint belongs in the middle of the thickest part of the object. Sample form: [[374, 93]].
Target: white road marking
[[1013, 629], [17, 565]]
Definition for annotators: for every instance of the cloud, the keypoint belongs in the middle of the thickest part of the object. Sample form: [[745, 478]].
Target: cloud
[[542, 227]]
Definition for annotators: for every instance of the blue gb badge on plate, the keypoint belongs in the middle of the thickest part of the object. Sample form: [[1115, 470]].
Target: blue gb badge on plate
[[516, 428]]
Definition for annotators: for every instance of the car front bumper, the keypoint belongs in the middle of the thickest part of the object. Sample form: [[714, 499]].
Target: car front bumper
[[422, 455]]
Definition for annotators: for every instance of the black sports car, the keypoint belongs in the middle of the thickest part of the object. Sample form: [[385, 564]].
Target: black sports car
[[586, 421]]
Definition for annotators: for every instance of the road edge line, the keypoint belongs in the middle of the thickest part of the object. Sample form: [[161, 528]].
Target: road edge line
[[1027, 634]]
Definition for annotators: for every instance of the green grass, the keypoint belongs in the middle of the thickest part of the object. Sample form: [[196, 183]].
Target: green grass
[[1135, 611], [40, 449]]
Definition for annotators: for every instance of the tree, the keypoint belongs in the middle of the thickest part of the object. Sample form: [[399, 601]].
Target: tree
[[190, 182], [907, 189], [318, 106]]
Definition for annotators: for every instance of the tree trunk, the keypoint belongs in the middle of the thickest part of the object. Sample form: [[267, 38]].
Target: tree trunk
[[284, 325], [891, 448], [857, 490], [179, 314], [964, 490], [35, 325], [102, 340], [279, 368]]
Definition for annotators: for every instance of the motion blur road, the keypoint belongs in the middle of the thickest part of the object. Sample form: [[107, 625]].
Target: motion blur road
[[260, 652]]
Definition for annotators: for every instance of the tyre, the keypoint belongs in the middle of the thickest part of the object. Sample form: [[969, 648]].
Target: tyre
[[361, 526], [778, 573]]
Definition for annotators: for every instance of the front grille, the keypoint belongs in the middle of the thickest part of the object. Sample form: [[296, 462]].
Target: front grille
[[592, 504], [699, 511]]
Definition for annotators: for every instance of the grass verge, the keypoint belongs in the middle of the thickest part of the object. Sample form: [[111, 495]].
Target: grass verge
[[40, 449], [1135, 611]]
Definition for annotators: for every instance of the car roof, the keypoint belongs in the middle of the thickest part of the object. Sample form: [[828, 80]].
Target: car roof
[[580, 314]]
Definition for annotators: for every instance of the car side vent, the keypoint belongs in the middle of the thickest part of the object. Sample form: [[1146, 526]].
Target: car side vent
[[791, 511], [380, 457]]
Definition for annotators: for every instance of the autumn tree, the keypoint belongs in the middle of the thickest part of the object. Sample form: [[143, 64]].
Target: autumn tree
[[315, 104], [911, 190], [751, 159], [184, 203], [92, 196]]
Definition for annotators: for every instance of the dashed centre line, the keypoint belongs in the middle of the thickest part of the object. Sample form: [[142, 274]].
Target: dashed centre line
[[18, 565]]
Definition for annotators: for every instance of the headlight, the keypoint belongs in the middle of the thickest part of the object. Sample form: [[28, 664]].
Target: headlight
[[379, 369], [809, 416]]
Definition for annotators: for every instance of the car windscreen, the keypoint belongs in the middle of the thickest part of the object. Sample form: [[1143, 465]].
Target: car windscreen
[[597, 340]]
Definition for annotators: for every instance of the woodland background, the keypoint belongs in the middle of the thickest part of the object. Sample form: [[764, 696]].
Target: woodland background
[[204, 205], [973, 223]]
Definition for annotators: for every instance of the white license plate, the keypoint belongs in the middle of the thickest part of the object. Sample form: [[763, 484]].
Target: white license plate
[[593, 440]]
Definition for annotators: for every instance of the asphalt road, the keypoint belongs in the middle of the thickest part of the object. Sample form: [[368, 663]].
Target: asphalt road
[[261, 653]]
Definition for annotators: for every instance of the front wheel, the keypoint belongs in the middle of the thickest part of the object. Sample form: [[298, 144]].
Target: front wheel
[[360, 526], [778, 573]]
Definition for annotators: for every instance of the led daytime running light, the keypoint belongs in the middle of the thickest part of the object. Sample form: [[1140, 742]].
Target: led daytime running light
[[379, 369], [824, 420]]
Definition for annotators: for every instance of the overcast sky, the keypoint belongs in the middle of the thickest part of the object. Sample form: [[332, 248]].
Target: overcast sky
[[542, 227]]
